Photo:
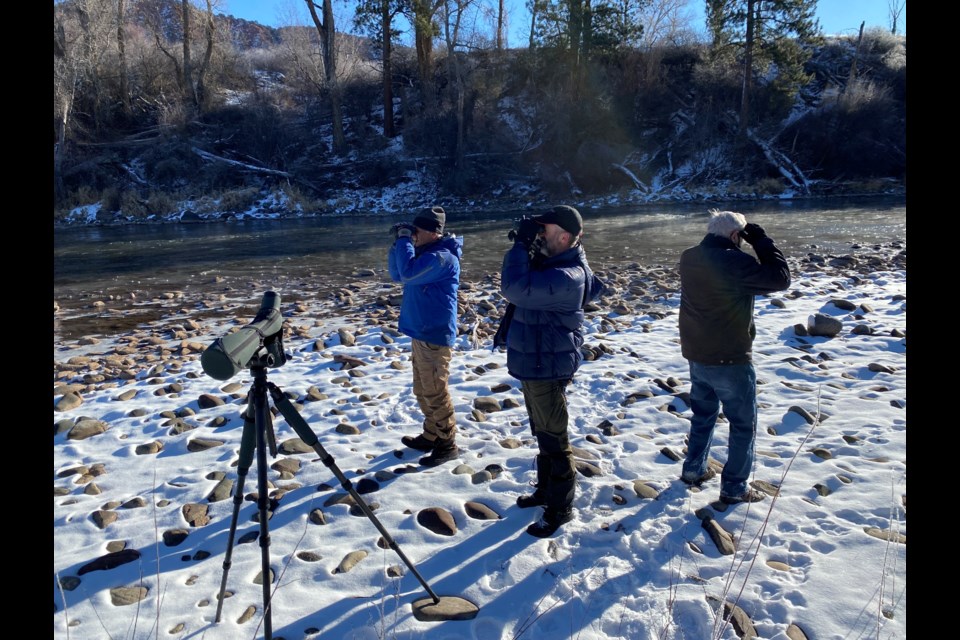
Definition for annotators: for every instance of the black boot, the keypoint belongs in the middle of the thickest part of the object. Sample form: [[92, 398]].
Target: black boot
[[535, 499], [561, 485], [539, 497], [444, 451], [550, 521]]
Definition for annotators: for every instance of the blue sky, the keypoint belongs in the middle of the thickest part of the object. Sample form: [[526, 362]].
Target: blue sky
[[836, 16]]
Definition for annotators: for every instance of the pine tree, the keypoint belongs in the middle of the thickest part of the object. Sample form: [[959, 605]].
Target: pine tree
[[765, 36]]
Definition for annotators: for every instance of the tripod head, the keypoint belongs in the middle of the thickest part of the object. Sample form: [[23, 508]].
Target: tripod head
[[260, 343]]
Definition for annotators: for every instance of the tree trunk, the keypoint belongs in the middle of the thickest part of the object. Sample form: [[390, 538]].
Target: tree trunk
[[189, 98], [65, 86], [748, 64], [121, 54], [534, 8], [385, 22], [461, 157], [587, 37], [328, 42], [455, 74], [85, 63], [500, 19], [896, 8], [853, 65], [209, 31], [423, 40]]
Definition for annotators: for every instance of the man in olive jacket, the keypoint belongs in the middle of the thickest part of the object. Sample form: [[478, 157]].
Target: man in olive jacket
[[718, 283], [546, 277]]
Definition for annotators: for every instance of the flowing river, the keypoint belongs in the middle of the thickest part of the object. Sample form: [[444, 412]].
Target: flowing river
[[100, 270]]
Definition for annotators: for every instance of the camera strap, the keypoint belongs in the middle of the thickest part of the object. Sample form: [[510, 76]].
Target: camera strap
[[500, 337]]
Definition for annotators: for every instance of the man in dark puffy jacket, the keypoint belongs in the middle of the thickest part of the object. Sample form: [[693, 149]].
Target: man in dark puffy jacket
[[718, 283], [427, 261], [546, 277]]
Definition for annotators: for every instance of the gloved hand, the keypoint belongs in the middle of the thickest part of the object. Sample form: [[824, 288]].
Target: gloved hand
[[526, 232], [753, 232], [402, 230]]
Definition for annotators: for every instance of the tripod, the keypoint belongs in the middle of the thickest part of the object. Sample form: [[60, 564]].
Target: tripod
[[257, 435]]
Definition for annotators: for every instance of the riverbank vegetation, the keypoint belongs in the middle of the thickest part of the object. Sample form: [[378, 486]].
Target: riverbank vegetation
[[168, 110]]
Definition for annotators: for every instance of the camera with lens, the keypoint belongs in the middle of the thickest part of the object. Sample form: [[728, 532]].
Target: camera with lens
[[525, 230]]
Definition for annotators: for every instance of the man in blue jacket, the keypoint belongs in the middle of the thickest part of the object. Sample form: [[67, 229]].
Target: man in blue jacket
[[718, 283], [546, 277], [427, 261]]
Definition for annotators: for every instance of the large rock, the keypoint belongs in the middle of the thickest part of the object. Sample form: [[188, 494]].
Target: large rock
[[110, 561], [68, 401], [823, 325], [438, 520], [87, 429]]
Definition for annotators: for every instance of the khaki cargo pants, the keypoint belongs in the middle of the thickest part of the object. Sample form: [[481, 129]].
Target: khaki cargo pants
[[431, 373]]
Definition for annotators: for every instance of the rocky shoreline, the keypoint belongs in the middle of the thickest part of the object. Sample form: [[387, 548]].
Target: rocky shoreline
[[95, 377], [185, 324], [360, 204]]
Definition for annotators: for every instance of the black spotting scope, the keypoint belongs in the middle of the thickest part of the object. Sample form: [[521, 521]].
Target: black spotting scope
[[227, 355]]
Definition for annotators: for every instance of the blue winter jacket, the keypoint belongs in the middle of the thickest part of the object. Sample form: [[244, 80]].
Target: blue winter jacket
[[546, 332], [431, 277]]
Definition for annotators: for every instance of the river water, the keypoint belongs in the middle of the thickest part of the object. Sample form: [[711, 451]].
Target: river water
[[122, 266]]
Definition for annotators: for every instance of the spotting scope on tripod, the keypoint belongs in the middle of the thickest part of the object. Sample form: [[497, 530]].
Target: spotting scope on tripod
[[260, 342], [257, 346]]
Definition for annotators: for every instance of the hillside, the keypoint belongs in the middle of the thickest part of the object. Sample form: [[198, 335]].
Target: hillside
[[483, 130]]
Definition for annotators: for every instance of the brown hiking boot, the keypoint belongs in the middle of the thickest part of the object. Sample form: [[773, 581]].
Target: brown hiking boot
[[443, 451], [420, 443], [696, 482], [750, 495]]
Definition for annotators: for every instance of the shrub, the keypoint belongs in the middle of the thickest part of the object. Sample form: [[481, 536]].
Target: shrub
[[768, 187], [297, 200], [131, 205], [239, 200], [161, 203], [81, 196], [110, 199]]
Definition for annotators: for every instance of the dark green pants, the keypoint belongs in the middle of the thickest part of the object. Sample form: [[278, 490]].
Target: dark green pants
[[546, 402]]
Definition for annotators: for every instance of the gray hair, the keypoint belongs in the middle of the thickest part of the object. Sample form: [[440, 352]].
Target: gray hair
[[723, 223]]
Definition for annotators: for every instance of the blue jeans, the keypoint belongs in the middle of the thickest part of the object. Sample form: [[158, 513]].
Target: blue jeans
[[735, 386]]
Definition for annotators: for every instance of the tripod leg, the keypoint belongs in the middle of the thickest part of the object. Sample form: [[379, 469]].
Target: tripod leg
[[295, 420], [247, 443], [262, 413]]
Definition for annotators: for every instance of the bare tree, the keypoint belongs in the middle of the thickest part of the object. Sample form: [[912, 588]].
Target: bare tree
[[501, 24], [190, 77], [897, 7], [753, 7], [208, 37], [93, 52], [328, 45], [665, 21], [856, 58], [453, 15], [122, 55], [64, 93], [186, 84]]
